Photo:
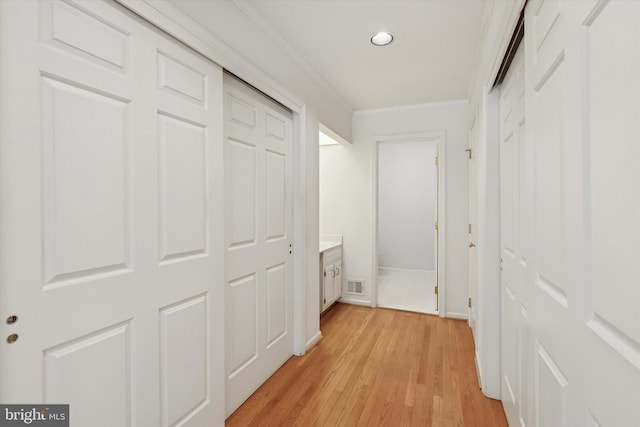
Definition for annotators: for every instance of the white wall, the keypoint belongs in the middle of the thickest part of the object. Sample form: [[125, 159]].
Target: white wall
[[308, 232], [333, 159], [406, 204], [351, 187]]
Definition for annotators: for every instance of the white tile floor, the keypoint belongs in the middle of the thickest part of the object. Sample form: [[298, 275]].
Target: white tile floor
[[410, 290]]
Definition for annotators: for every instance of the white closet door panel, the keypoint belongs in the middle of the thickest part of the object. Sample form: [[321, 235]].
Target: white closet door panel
[[243, 192], [78, 212], [276, 197], [277, 300], [111, 227], [582, 115], [611, 69], [258, 218], [553, 282], [73, 369], [513, 276], [183, 189], [185, 383]]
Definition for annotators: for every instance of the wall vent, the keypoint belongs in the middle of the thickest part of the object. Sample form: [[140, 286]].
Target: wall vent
[[355, 286]]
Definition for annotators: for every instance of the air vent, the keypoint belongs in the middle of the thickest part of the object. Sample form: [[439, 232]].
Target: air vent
[[355, 286]]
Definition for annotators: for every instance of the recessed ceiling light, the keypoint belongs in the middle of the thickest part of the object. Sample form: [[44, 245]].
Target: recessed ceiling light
[[381, 39]]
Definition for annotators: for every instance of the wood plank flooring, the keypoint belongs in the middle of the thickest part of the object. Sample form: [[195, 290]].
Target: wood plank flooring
[[377, 367]]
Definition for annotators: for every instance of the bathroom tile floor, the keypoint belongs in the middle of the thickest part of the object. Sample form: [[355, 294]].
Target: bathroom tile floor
[[410, 290]]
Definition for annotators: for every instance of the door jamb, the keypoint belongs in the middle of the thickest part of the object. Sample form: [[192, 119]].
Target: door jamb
[[439, 137]]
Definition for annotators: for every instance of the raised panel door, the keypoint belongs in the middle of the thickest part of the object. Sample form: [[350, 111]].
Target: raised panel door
[[258, 247], [111, 225]]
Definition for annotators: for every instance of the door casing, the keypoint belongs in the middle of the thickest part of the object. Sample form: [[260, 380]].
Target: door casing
[[437, 137]]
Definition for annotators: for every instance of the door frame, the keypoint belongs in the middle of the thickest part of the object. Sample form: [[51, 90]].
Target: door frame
[[437, 137], [473, 223]]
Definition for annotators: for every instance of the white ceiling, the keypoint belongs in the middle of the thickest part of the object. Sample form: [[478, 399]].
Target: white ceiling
[[430, 59]]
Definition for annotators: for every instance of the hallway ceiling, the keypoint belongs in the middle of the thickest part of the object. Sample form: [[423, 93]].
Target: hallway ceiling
[[430, 59]]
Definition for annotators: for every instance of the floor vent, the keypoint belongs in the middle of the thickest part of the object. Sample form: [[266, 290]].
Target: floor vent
[[355, 286]]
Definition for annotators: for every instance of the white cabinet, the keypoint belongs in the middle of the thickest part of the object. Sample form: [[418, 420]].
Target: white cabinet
[[331, 276]]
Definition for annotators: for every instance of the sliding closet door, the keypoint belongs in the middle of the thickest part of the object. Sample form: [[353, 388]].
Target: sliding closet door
[[110, 221], [582, 63], [259, 238], [515, 204]]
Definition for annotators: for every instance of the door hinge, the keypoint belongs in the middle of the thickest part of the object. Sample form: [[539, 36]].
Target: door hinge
[[469, 302], [436, 225], [325, 274], [437, 160], [469, 228], [435, 290], [468, 150]]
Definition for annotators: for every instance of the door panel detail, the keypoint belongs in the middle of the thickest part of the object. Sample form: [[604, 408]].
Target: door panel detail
[[183, 188], [181, 80], [72, 369], [76, 31], [87, 185], [184, 354]]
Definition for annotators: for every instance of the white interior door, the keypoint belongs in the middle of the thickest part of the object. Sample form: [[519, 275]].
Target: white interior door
[[473, 229], [582, 155], [328, 285], [110, 221], [259, 237], [515, 205]]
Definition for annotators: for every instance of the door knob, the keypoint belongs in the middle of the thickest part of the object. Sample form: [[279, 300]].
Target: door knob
[[472, 245]]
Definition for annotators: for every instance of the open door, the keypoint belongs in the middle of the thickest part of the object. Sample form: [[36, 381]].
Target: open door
[[473, 218]]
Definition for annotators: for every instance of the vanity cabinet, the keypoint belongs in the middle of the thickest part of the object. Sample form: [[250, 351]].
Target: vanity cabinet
[[331, 276]]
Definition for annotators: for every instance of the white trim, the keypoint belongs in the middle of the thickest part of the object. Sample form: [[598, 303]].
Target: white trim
[[504, 38], [332, 134], [299, 233], [478, 369], [410, 107], [347, 300], [498, 26], [439, 137], [282, 43], [406, 269], [454, 315], [313, 341]]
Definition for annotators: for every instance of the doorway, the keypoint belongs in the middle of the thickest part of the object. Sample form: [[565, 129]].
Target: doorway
[[406, 226]]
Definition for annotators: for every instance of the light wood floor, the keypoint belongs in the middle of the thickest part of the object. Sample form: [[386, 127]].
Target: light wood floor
[[377, 367]]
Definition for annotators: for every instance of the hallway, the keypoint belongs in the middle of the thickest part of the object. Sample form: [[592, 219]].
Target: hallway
[[377, 367]]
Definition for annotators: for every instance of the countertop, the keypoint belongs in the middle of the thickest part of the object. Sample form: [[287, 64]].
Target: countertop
[[325, 246], [329, 241]]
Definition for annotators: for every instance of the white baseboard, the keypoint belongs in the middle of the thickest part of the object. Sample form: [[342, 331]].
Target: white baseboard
[[421, 270], [347, 300], [478, 369], [315, 339], [453, 315]]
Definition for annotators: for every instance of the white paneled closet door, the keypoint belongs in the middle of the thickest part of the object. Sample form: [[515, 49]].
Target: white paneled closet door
[[111, 222], [515, 204], [259, 238], [582, 62]]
